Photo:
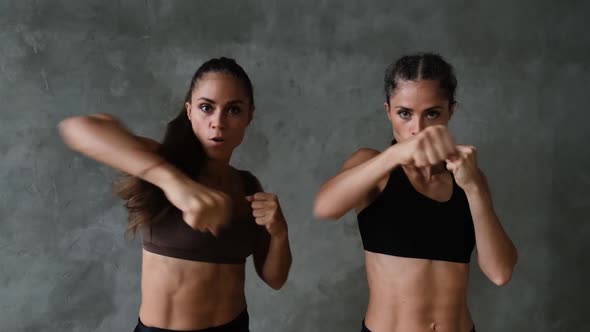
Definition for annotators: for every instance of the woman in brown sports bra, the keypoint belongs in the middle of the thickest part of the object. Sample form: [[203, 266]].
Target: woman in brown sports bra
[[198, 216]]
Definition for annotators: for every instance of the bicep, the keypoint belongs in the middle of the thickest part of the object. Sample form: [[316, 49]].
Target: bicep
[[104, 116], [358, 158], [149, 143]]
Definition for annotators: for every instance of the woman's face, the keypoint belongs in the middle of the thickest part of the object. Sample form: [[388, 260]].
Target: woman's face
[[220, 110], [416, 105]]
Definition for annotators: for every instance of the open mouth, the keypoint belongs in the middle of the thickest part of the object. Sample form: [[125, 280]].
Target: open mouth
[[217, 139]]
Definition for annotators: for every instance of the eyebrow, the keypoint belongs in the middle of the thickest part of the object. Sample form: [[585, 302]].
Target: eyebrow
[[433, 108], [235, 101]]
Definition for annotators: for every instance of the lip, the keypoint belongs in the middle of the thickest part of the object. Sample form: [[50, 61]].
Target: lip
[[217, 140]]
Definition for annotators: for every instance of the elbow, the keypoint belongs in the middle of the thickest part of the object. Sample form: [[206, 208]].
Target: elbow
[[74, 130], [323, 212], [70, 128], [501, 279], [276, 283], [325, 215], [277, 279], [501, 272], [501, 276], [66, 125]]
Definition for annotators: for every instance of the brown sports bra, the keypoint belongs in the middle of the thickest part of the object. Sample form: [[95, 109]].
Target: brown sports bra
[[171, 236]]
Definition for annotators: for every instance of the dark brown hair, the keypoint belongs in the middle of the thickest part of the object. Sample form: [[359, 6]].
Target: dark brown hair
[[421, 66], [145, 202]]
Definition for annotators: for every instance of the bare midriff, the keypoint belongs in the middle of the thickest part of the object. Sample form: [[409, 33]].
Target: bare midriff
[[420, 295], [187, 295]]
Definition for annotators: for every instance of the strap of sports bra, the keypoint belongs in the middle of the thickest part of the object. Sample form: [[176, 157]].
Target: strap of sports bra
[[251, 183]]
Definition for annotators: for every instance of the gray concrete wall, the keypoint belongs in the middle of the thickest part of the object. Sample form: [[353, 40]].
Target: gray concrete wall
[[317, 67]]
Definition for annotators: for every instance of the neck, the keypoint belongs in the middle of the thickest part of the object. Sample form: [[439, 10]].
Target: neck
[[427, 173]]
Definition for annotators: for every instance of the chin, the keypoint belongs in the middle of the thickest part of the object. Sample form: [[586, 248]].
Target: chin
[[219, 154]]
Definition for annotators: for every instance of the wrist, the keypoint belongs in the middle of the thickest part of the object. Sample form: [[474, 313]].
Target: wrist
[[392, 156]]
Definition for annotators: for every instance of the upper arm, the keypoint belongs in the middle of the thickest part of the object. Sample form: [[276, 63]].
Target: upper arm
[[360, 156], [151, 144], [103, 116]]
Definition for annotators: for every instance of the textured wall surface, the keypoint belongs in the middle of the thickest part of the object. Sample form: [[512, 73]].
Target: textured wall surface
[[317, 67]]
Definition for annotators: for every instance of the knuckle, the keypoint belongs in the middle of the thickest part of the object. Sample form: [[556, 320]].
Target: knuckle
[[192, 204], [222, 200]]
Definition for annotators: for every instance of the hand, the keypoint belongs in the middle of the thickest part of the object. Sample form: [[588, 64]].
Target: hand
[[203, 208], [428, 148], [464, 167], [267, 211]]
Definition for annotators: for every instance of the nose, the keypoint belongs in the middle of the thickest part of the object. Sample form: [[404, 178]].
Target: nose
[[417, 126], [218, 120]]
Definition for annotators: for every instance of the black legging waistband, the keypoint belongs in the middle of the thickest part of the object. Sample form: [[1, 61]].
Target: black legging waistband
[[365, 329], [239, 324]]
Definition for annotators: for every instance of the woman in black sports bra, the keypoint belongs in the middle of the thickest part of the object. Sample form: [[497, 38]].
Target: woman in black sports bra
[[423, 205], [198, 216]]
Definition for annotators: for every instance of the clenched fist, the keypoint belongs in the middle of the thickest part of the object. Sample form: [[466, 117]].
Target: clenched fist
[[267, 211]]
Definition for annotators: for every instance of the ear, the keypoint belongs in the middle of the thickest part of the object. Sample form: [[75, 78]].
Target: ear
[[187, 105], [452, 109], [387, 110], [251, 114]]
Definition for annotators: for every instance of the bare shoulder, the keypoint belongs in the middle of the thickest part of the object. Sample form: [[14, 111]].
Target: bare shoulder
[[358, 157]]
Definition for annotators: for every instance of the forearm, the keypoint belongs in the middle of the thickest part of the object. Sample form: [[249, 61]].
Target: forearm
[[497, 255], [343, 192], [278, 261]]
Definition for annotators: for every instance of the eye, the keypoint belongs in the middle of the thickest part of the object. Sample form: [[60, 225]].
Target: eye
[[205, 108], [403, 114], [234, 110], [432, 114]]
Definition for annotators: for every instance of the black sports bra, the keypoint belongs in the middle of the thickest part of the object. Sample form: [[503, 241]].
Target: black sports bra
[[403, 222], [171, 236]]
